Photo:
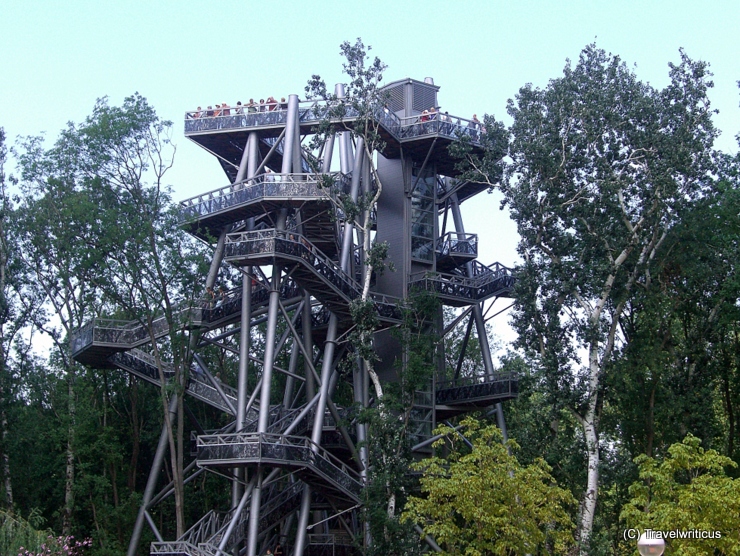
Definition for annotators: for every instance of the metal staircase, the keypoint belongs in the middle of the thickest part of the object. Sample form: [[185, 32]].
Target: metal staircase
[[310, 268]]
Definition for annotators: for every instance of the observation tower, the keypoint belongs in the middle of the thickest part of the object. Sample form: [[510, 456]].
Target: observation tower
[[294, 456]]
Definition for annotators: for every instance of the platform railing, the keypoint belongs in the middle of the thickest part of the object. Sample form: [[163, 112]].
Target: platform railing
[[314, 111], [131, 333], [268, 184], [308, 111], [485, 281], [455, 243], [295, 245], [300, 450], [441, 124], [461, 389], [177, 548]]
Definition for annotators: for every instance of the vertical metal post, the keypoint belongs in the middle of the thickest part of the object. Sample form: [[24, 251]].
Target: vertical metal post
[[249, 165], [151, 483], [345, 141], [291, 132], [293, 109], [242, 394]]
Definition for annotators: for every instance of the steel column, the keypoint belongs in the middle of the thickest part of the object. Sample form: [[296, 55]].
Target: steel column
[[151, 483]]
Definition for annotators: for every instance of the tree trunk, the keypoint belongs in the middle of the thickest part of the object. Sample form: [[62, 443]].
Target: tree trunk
[[6, 457], [650, 423], [69, 495], [590, 432], [135, 433]]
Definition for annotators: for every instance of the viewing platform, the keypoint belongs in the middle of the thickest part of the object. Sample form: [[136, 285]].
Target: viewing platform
[[459, 290], [222, 134], [462, 395], [309, 461], [206, 215], [98, 339]]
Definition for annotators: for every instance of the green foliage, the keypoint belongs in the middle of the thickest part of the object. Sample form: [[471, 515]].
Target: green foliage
[[388, 478], [688, 490], [17, 533], [481, 500], [362, 97]]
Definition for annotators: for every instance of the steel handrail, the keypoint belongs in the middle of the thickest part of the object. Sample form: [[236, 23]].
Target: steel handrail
[[299, 178], [315, 110], [316, 254], [231, 439], [475, 380]]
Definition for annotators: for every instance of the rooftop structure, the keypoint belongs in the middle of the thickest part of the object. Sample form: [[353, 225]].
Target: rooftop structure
[[297, 473]]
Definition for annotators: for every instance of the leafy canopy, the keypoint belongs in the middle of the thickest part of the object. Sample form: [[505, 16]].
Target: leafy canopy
[[688, 490], [480, 500]]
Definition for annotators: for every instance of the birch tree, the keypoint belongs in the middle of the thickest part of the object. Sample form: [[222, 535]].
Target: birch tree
[[601, 164]]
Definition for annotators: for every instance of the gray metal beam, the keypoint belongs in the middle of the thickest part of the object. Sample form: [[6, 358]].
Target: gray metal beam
[[151, 483]]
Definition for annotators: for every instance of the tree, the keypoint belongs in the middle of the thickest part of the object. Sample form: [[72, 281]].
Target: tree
[[102, 238], [480, 500], [358, 109], [688, 491], [149, 262], [59, 223], [602, 165]]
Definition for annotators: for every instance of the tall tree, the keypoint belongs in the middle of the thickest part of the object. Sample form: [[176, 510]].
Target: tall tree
[[59, 225], [102, 237], [601, 166], [150, 266], [688, 491]]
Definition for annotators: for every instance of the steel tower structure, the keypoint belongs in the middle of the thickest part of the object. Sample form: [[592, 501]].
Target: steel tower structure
[[292, 456]]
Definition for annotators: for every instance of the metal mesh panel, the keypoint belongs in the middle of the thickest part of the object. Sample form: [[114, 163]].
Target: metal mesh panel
[[424, 97], [395, 98]]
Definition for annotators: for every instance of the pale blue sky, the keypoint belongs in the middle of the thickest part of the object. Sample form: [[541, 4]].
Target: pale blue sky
[[57, 57]]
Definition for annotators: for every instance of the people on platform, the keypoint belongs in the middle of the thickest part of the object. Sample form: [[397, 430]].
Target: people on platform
[[220, 296], [474, 126], [209, 297]]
